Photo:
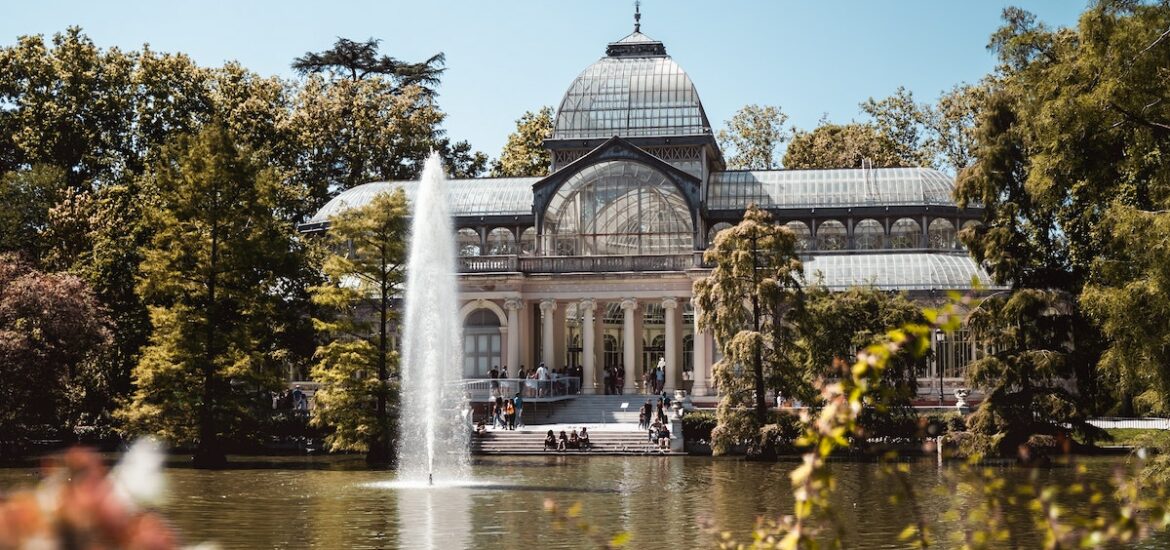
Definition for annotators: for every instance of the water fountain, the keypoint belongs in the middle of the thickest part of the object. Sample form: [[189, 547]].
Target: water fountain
[[433, 443]]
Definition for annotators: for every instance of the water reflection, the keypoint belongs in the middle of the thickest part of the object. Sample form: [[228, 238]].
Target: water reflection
[[661, 501]]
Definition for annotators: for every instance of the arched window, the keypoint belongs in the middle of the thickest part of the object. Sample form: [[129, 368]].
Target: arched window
[[715, 229], [528, 241], [868, 235], [905, 233], [654, 315], [468, 240], [803, 234], [941, 233], [618, 208], [481, 342], [613, 351], [831, 235], [688, 365], [501, 242]]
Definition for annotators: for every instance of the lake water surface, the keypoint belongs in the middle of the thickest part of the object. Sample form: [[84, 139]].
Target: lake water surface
[[662, 502]]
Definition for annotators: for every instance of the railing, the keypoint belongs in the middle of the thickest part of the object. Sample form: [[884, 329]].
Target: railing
[[555, 389], [574, 264]]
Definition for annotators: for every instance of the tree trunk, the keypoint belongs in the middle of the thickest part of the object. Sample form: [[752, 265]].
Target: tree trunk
[[208, 452], [757, 352], [379, 452]]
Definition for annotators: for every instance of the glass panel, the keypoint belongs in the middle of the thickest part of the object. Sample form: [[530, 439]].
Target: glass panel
[[905, 233], [528, 241], [468, 240], [501, 242], [941, 233], [803, 234], [618, 208], [868, 235], [831, 235]]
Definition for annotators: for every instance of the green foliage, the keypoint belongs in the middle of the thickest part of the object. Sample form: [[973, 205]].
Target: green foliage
[[51, 331], [753, 136], [748, 302], [841, 146], [697, 425], [211, 276], [1024, 373], [524, 153], [364, 272], [28, 196]]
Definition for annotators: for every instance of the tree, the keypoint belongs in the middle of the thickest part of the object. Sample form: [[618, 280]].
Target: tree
[[524, 154], [365, 271], [748, 302], [359, 60], [754, 133], [841, 146], [906, 123], [51, 329], [73, 107], [1071, 147], [361, 117], [212, 276], [28, 197], [1027, 336], [835, 326]]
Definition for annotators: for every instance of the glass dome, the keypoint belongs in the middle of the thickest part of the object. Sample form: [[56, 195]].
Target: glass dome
[[635, 91], [617, 208]]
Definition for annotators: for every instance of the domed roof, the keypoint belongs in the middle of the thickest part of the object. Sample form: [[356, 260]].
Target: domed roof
[[636, 90]]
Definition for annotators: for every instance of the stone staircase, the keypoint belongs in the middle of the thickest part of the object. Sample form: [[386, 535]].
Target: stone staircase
[[531, 442], [591, 409]]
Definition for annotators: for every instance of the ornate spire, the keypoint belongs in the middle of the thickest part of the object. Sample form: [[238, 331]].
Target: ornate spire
[[638, 16]]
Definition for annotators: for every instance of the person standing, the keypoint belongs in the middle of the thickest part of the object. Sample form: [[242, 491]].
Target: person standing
[[620, 382], [541, 380], [660, 376], [518, 403], [494, 374], [510, 414]]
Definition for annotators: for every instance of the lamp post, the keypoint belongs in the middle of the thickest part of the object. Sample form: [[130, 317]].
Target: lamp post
[[939, 335]]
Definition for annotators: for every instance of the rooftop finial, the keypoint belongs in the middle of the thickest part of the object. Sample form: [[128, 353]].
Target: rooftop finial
[[638, 16]]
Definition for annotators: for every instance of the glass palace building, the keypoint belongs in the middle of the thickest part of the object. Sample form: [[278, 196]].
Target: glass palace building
[[593, 265]]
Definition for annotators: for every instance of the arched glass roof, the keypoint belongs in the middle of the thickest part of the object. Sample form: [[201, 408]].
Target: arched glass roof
[[469, 197], [635, 91], [734, 190], [897, 271]]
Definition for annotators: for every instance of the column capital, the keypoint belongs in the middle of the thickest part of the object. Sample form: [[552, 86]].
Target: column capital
[[588, 304], [629, 304], [514, 304], [669, 303], [548, 304]]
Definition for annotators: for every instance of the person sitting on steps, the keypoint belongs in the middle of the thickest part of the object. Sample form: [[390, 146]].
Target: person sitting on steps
[[563, 441], [550, 441], [585, 444], [574, 441]]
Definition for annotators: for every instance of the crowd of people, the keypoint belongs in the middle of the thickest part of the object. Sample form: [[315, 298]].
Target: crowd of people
[[653, 379], [539, 382], [652, 417]]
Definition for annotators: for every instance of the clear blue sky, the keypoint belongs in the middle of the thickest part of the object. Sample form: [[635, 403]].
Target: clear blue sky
[[505, 57]]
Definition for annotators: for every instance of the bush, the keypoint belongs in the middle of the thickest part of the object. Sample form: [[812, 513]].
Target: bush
[[697, 426]]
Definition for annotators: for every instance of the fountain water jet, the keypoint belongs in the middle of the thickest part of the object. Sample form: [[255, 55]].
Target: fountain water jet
[[433, 433]]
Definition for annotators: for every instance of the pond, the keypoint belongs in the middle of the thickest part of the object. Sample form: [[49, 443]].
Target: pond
[[662, 502]]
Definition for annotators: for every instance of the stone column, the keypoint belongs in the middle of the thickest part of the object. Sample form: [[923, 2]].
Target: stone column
[[700, 360], [631, 342], [513, 307], [560, 348], [547, 339], [669, 309], [588, 337]]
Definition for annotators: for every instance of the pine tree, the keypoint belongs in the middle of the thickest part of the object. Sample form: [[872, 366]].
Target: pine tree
[[212, 277], [365, 271], [747, 302]]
